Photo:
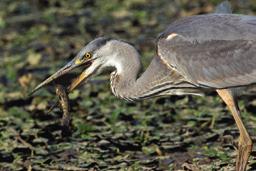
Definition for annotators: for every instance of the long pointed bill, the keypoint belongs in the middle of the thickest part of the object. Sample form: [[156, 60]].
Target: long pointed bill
[[83, 76], [70, 66]]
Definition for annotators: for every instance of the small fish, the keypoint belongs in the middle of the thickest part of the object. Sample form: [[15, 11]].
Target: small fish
[[64, 103]]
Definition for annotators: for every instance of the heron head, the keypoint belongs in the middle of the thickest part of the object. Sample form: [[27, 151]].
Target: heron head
[[91, 57]]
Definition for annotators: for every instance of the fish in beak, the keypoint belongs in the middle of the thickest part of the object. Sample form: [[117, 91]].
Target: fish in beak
[[64, 70], [88, 57]]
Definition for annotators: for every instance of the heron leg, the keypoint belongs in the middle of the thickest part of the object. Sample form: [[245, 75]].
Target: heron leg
[[245, 142]]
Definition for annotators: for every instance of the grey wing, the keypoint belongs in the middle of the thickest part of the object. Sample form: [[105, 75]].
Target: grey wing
[[213, 63], [215, 50], [213, 27]]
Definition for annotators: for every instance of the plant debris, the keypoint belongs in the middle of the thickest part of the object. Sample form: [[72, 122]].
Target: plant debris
[[173, 133]]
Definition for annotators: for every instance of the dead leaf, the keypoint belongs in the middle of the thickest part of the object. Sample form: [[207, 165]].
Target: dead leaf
[[34, 58], [25, 80]]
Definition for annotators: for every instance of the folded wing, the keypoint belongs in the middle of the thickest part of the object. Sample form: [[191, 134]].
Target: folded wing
[[216, 60]]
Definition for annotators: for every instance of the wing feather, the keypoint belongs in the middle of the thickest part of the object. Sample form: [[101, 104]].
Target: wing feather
[[226, 60]]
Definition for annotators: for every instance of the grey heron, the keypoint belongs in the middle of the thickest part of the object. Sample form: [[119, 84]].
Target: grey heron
[[204, 52]]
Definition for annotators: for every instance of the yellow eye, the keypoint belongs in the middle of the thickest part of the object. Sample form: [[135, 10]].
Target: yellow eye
[[87, 56]]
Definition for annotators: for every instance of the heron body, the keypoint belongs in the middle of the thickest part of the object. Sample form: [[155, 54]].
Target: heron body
[[215, 51], [204, 52]]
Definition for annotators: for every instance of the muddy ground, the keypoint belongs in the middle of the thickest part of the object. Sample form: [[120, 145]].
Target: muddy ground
[[175, 133]]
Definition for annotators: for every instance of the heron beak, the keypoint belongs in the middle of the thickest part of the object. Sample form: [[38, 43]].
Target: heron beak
[[76, 82], [67, 68], [82, 77]]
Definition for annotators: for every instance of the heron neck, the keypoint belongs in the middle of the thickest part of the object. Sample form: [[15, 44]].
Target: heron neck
[[156, 80]]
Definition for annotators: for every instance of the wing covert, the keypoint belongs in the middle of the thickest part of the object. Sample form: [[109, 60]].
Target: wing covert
[[211, 63]]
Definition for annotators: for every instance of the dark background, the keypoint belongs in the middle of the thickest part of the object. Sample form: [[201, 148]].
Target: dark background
[[39, 36]]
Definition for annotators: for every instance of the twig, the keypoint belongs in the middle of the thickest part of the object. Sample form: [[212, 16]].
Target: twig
[[25, 143]]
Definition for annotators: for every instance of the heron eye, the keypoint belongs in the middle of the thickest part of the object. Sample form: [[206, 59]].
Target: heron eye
[[87, 56]]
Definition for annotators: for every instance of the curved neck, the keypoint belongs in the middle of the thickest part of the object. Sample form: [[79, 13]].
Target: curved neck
[[127, 65], [156, 80]]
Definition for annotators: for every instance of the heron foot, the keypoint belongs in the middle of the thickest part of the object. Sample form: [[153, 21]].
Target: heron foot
[[244, 150]]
